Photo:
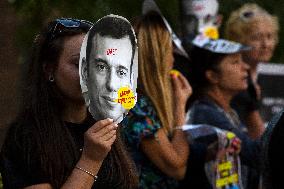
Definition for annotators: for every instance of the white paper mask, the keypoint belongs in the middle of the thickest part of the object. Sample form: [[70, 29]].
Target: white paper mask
[[109, 68]]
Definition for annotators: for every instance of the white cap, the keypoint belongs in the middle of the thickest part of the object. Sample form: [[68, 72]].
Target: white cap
[[221, 46]]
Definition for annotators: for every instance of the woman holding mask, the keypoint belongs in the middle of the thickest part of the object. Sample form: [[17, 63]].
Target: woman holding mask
[[54, 143]]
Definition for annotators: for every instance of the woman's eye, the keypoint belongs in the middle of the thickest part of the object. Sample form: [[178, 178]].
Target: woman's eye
[[256, 37], [75, 62]]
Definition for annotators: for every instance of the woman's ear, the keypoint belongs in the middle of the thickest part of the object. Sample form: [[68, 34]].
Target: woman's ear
[[212, 76]]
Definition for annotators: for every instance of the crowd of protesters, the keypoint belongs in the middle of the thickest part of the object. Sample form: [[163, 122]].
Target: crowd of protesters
[[56, 143]]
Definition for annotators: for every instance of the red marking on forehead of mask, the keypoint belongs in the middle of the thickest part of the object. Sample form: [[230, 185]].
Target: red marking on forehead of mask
[[111, 51]]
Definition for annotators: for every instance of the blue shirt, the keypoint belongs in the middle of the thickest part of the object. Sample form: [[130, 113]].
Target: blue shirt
[[206, 111]]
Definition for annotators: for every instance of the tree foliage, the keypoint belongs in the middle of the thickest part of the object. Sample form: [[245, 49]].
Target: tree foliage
[[35, 13]]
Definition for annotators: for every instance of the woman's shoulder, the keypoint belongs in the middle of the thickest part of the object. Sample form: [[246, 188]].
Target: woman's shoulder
[[143, 106], [142, 121], [204, 111], [204, 106], [143, 111]]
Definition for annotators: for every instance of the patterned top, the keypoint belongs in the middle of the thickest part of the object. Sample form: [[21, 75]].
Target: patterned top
[[142, 122]]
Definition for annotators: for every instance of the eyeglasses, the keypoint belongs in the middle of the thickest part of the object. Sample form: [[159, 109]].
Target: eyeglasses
[[66, 24]]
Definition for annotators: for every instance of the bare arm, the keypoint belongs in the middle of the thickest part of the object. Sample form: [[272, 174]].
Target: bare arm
[[98, 140], [254, 124], [171, 156], [78, 179]]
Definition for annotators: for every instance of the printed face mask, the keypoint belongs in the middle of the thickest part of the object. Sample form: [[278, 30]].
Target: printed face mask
[[108, 73]]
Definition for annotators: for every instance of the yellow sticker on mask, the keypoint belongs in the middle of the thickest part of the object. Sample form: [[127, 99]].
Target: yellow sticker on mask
[[126, 97]]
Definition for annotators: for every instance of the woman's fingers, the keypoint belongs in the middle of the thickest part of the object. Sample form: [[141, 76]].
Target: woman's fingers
[[235, 146], [108, 135], [175, 82], [181, 86], [184, 82], [101, 124], [111, 140], [106, 130], [99, 139], [180, 81]]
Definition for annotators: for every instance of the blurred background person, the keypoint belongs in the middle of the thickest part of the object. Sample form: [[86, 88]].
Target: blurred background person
[[199, 17], [156, 142], [217, 75], [255, 27], [272, 156], [54, 142]]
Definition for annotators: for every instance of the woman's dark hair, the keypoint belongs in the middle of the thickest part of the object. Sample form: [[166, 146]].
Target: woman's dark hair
[[201, 61], [40, 130]]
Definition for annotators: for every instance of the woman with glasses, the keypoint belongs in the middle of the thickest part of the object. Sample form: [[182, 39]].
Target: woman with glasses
[[255, 27], [54, 142]]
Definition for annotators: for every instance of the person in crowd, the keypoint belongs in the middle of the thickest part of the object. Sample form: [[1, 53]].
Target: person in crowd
[[153, 134], [251, 25], [217, 74], [272, 156], [54, 142]]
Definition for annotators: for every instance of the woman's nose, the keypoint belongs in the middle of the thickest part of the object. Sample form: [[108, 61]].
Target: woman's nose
[[245, 66]]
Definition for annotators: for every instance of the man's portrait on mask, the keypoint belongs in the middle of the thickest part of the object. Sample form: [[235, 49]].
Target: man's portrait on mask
[[108, 67]]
